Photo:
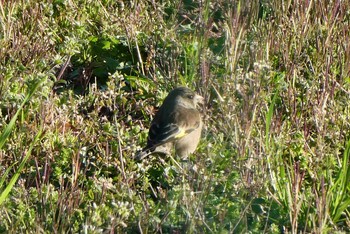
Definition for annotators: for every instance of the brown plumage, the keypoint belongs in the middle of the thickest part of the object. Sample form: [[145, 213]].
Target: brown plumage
[[177, 124]]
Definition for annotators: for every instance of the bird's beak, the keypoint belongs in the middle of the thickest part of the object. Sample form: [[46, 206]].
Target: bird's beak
[[199, 99]]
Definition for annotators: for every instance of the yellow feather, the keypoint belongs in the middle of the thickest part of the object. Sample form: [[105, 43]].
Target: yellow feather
[[181, 133]]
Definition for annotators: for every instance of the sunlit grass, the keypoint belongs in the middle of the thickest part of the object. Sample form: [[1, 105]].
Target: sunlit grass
[[275, 149]]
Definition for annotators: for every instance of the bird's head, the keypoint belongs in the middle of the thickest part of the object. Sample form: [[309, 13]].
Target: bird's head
[[186, 97]]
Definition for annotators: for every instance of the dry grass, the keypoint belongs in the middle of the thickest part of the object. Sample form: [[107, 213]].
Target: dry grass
[[275, 151]]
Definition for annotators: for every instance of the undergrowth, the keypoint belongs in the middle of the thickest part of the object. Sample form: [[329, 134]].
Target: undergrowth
[[79, 84]]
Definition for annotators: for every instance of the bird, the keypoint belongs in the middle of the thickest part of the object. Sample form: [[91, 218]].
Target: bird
[[177, 124]]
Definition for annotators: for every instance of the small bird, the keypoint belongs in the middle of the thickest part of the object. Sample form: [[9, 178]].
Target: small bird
[[177, 124]]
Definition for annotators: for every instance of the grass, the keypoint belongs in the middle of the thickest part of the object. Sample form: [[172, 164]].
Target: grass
[[3, 137], [81, 80]]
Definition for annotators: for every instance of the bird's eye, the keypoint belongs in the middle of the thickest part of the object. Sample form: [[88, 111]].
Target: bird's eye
[[190, 96]]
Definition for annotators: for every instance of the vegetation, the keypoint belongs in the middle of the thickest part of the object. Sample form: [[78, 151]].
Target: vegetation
[[80, 81]]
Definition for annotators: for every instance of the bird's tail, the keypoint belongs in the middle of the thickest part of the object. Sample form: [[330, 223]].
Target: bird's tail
[[142, 154], [162, 149]]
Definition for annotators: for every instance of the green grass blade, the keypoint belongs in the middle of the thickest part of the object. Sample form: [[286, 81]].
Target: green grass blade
[[269, 119], [13, 180], [339, 190], [2, 180], [6, 133], [8, 129]]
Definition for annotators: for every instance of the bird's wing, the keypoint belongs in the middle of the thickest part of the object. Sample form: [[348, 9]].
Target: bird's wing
[[179, 124], [159, 135]]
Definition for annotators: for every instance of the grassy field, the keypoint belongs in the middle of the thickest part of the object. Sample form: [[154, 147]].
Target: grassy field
[[80, 81]]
